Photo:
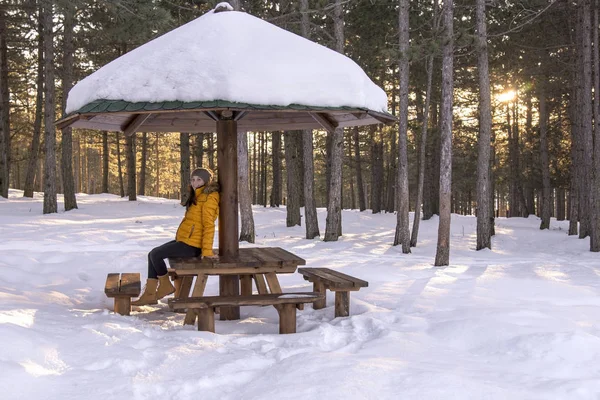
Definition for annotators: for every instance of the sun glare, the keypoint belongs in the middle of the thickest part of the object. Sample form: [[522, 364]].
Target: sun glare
[[507, 96]]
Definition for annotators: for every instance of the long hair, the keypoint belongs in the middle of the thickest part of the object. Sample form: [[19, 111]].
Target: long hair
[[191, 198]]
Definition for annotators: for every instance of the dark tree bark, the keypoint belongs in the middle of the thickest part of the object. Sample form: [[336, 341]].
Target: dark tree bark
[[276, 159], [587, 144], [67, 133], [402, 223], [199, 149], [484, 208], [143, 166], [546, 189], [293, 170], [442, 256], [50, 202], [334, 212], [184, 151], [105, 162], [130, 156], [310, 209], [37, 123], [120, 165], [362, 206], [4, 109], [247, 232], [376, 170], [595, 193]]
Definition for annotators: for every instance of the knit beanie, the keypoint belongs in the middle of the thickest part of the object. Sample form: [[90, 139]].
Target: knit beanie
[[204, 173]]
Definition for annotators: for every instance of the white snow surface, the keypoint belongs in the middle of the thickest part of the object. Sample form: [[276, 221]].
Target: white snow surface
[[236, 57], [518, 322]]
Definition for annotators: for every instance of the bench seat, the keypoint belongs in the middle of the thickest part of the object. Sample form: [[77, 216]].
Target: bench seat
[[285, 303], [122, 287], [328, 279]]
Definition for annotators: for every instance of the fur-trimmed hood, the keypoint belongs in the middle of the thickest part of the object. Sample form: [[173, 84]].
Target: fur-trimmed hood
[[212, 187]]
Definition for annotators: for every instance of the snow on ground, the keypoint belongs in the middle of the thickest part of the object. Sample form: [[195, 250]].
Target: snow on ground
[[518, 322]]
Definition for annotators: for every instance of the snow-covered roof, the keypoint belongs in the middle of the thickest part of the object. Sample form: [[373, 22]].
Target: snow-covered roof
[[235, 57]]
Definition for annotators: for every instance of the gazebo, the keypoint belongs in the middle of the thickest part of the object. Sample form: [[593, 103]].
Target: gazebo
[[226, 71]]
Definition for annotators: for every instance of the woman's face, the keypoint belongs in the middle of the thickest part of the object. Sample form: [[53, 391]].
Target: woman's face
[[197, 182]]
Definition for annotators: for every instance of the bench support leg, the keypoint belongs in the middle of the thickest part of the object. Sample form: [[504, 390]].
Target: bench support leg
[[287, 318], [123, 305], [342, 304], [229, 286], [319, 287], [206, 319], [246, 285]]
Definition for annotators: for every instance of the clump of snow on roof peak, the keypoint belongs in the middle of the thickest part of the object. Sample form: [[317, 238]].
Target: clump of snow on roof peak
[[223, 6]]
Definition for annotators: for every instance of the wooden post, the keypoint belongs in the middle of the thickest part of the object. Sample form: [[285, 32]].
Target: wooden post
[[319, 287], [246, 281], [228, 214], [287, 318], [123, 305], [206, 319], [342, 304]]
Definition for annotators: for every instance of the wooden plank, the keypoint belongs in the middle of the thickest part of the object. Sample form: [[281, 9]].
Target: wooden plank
[[325, 275], [273, 282], [265, 257], [324, 120], [261, 285], [206, 319], [112, 285], [342, 304], [246, 285], [287, 256], [198, 291], [254, 300], [136, 122], [281, 269], [357, 282], [130, 284], [318, 287]]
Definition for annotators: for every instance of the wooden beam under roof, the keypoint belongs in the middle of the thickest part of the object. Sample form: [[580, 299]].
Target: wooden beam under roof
[[136, 122], [68, 121], [324, 121]]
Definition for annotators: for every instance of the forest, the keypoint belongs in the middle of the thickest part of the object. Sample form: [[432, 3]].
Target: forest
[[495, 101]]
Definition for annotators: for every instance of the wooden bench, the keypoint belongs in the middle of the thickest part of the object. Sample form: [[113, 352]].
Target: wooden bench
[[122, 287], [285, 303], [342, 284]]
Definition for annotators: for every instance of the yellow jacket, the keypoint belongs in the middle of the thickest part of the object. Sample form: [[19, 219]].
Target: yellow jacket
[[198, 226]]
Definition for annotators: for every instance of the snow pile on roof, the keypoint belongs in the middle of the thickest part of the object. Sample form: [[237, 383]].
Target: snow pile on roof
[[236, 57]]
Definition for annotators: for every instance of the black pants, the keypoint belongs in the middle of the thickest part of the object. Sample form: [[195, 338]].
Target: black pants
[[156, 257]]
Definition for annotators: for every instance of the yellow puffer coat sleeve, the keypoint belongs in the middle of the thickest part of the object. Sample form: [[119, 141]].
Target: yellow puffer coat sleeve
[[210, 212]]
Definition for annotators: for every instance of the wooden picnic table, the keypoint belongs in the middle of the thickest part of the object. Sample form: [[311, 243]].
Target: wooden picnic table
[[258, 265]]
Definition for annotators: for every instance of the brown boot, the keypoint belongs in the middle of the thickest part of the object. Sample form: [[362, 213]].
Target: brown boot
[[149, 295], [165, 287]]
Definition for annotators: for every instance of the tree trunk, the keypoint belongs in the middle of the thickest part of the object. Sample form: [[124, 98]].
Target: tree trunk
[[546, 210], [37, 123], [130, 156], [67, 133], [247, 232], [402, 223], [50, 202], [184, 171], [587, 143], [276, 188], [293, 170], [359, 178], [442, 256], [376, 170], [484, 217], [4, 108], [334, 212], [120, 166], [144, 162], [310, 209], [105, 156], [595, 193], [199, 150]]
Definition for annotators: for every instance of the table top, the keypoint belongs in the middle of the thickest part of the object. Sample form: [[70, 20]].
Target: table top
[[254, 260]]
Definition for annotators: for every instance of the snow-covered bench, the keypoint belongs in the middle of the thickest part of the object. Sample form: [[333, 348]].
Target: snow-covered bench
[[122, 287], [285, 303], [342, 284]]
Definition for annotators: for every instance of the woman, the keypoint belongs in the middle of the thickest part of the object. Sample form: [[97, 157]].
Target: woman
[[194, 236]]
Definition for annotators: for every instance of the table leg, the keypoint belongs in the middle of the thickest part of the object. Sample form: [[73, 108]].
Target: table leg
[[273, 282], [229, 285], [342, 304], [261, 285], [287, 318], [190, 316], [319, 287], [246, 283]]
